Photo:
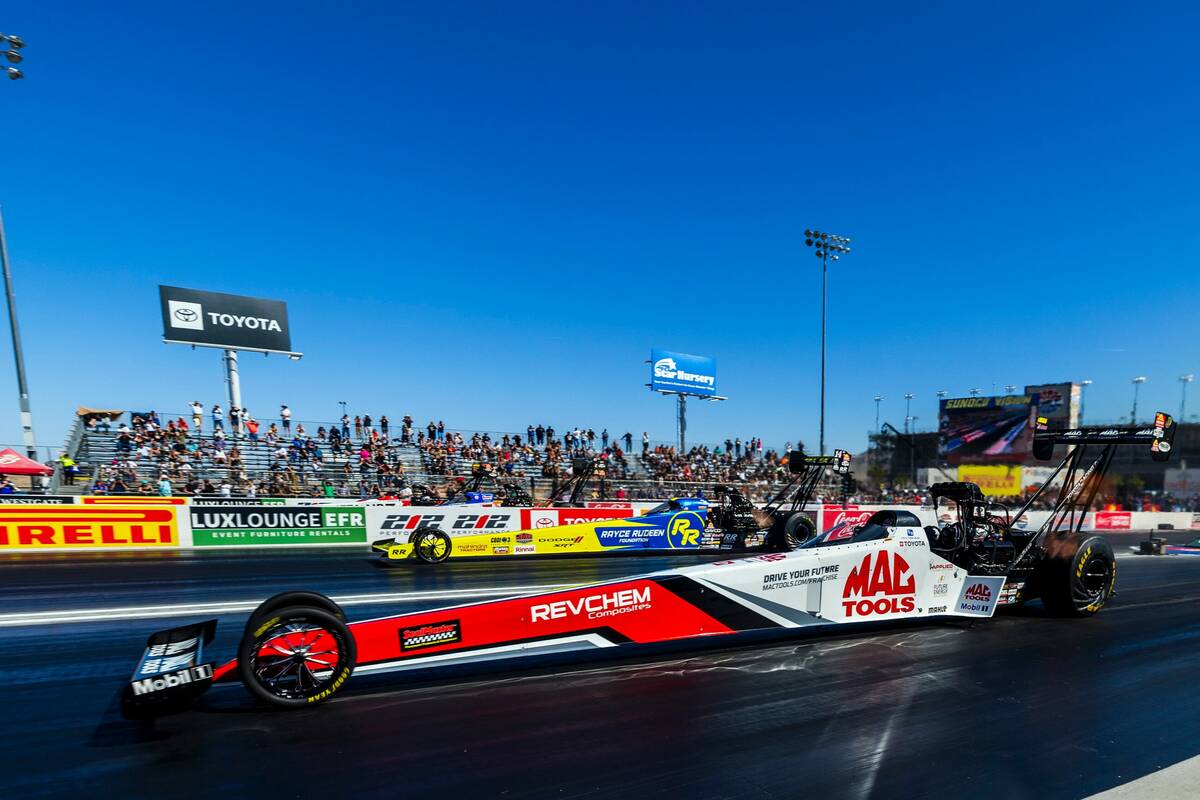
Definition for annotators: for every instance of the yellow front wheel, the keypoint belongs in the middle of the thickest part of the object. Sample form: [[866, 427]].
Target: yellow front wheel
[[431, 545]]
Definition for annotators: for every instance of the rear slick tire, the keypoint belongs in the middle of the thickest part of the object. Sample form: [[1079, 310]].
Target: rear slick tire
[[299, 657], [1080, 585], [291, 598]]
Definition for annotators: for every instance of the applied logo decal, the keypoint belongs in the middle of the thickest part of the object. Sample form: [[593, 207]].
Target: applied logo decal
[[186, 315], [883, 583], [594, 606], [433, 634], [684, 529]]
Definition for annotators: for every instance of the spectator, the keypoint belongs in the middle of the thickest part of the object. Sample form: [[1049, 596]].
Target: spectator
[[285, 416], [358, 427], [441, 430], [541, 435], [235, 420], [645, 443], [345, 426], [383, 426], [6, 485], [367, 425], [69, 469], [628, 440], [197, 415], [164, 486], [604, 439], [252, 430], [218, 417]]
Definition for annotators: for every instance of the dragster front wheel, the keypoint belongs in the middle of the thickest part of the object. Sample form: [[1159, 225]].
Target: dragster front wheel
[[1078, 585], [431, 545], [296, 657]]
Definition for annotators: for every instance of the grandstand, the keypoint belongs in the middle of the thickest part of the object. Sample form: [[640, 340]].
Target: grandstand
[[147, 453]]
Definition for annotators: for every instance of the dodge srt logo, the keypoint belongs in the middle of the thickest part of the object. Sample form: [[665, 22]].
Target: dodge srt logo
[[886, 586]]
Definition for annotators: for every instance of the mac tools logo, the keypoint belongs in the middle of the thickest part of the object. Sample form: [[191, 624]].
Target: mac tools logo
[[667, 368], [186, 315]]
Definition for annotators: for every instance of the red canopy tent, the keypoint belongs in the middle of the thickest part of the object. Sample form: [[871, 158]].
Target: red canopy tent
[[13, 463]]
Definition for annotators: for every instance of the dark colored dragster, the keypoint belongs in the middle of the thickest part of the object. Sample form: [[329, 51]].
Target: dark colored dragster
[[298, 650]]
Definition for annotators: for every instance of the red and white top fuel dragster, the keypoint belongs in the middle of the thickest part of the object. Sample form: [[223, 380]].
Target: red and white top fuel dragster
[[297, 649]]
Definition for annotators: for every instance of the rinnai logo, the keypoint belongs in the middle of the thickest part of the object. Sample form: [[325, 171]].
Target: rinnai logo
[[669, 369], [979, 592], [186, 315], [595, 606], [886, 586]]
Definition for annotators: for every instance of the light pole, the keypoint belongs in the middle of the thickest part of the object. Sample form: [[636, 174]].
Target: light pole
[[1083, 384], [878, 399], [1009, 388], [1184, 380], [827, 247], [342, 403], [11, 55], [974, 392], [22, 386], [1137, 384], [908, 398]]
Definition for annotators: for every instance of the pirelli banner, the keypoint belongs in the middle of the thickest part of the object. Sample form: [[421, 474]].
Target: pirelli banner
[[81, 527]]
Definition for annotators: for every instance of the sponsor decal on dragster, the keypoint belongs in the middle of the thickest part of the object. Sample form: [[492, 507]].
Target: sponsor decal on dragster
[[681, 530], [979, 596], [882, 583], [431, 634]]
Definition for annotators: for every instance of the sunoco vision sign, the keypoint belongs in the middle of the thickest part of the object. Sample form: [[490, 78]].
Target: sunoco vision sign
[[224, 320]]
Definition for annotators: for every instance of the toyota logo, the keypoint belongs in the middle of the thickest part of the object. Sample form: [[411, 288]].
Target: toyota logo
[[185, 315]]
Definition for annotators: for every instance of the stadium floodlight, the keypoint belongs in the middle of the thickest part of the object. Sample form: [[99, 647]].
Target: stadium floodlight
[[1009, 388], [974, 392], [14, 74], [1184, 380], [13, 56], [1137, 384], [878, 399], [827, 247], [908, 398], [14, 41]]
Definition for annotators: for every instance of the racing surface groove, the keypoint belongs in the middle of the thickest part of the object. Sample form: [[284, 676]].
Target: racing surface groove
[[1021, 706]]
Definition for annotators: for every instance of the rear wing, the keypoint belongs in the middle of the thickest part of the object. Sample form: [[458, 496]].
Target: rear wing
[[840, 461], [171, 673], [1159, 436]]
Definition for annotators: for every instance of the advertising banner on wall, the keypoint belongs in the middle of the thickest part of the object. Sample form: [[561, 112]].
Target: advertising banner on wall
[[680, 372], [230, 321], [83, 527], [226, 526], [986, 430], [994, 480]]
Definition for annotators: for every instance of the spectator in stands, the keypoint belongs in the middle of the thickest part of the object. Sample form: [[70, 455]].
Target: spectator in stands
[[285, 416], [218, 417], [645, 443], [252, 430], [383, 426], [367, 425], [358, 427], [737, 447], [69, 469], [441, 430], [541, 435], [6, 485], [197, 415], [604, 439], [164, 486], [235, 420]]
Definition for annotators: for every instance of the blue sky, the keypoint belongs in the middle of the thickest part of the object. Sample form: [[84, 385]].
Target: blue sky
[[489, 213]]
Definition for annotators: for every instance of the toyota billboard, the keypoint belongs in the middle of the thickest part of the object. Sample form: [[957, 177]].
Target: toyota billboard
[[682, 373], [229, 321]]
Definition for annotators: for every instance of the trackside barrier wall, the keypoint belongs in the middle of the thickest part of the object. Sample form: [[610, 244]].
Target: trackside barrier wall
[[166, 523]]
